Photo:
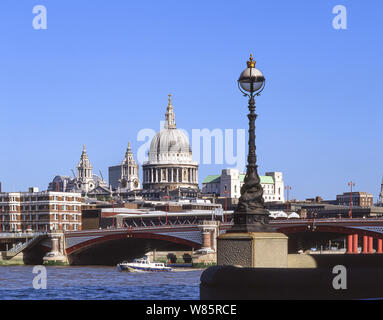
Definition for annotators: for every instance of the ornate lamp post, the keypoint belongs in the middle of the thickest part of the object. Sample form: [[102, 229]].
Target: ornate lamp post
[[251, 215]]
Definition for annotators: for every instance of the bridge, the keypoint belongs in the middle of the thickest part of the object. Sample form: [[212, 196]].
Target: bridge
[[194, 235], [368, 231], [111, 245], [13, 243]]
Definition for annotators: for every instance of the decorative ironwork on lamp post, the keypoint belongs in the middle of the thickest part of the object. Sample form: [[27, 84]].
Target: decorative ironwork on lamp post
[[251, 214]]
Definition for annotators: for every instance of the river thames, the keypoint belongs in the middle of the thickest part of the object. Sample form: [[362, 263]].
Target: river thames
[[98, 283]]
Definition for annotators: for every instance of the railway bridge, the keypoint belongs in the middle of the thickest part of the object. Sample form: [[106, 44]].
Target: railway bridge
[[111, 245]]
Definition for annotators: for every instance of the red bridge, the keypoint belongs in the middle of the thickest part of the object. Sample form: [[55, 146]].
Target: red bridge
[[87, 245], [367, 230]]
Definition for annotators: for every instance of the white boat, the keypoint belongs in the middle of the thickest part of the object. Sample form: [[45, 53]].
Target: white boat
[[141, 265]]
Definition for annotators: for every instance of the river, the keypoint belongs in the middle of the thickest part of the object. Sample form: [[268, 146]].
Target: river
[[97, 283]]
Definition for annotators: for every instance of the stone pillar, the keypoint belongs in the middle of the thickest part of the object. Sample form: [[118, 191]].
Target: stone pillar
[[355, 243], [349, 243], [206, 239], [57, 253], [209, 230], [55, 245], [253, 249]]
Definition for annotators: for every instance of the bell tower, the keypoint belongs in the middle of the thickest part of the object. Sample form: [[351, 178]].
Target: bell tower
[[84, 172], [129, 171]]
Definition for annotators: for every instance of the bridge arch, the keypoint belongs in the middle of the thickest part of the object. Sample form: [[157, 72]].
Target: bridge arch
[[111, 249]]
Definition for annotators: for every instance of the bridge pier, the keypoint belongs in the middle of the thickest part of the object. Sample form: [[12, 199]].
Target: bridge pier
[[57, 255], [349, 244], [370, 245], [209, 230], [380, 247], [352, 243], [208, 252], [355, 243], [365, 245]]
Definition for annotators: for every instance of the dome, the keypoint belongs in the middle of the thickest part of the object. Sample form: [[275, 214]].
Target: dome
[[169, 140], [170, 144], [170, 164]]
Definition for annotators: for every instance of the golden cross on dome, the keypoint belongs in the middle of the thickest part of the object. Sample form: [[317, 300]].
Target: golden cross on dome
[[170, 98]]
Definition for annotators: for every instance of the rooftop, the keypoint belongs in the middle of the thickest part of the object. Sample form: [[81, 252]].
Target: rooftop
[[215, 178]]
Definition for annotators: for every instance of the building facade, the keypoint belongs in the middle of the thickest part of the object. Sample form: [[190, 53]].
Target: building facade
[[170, 164], [125, 176], [230, 181], [380, 201], [359, 199], [40, 211]]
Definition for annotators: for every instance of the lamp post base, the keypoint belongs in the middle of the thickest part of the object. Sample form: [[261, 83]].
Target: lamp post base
[[253, 249], [256, 221]]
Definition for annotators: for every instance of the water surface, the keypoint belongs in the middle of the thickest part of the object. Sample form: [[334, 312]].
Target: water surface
[[106, 283]]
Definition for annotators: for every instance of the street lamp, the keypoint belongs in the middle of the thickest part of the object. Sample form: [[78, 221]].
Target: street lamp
[[225, 192], [251, 214], [287, 188], [351, 184]]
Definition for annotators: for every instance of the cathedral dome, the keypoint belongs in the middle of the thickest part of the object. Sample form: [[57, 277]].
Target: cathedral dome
[[170, 144], [170, 164]]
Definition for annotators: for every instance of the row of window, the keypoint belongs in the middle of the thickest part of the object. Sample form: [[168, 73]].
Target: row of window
[[38, 198], [55, 226], [54, 207], [36, 217]]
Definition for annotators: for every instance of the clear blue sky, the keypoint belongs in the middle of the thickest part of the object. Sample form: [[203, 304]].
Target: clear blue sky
[[103, 69]]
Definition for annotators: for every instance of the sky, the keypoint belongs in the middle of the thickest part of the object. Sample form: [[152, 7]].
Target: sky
[[102, 70]]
